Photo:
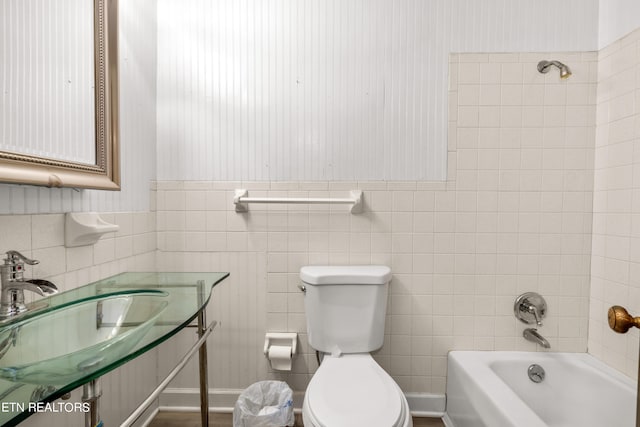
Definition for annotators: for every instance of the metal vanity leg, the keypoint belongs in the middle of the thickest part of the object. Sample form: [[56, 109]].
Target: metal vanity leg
[[91, 393], [202, 359]]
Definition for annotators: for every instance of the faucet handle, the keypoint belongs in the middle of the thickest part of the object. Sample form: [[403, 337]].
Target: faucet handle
[[13, 267], [533, 310], [14, 257], [530, 308]]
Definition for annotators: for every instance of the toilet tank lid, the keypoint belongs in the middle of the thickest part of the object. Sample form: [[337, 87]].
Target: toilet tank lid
[[346, 275]]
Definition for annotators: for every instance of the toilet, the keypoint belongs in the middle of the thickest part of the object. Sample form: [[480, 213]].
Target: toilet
[[345, 308]]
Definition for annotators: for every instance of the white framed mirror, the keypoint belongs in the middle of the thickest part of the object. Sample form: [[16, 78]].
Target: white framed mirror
[[59, 98]]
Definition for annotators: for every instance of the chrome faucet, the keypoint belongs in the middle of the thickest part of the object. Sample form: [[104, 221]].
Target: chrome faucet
[[13, 285], [531, 334]]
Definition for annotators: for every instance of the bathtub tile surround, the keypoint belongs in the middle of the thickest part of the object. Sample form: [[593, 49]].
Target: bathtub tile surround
[[514, 216], [615, 261]]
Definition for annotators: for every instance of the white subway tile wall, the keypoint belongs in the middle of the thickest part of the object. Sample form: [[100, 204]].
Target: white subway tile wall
[[615, 261], [514, 216], [132, 248]]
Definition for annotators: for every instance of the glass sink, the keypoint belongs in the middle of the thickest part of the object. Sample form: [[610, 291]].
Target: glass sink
[[61, 342], [54, 347]]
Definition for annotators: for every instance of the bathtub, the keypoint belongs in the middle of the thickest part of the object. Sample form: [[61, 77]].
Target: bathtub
[[493, 389]]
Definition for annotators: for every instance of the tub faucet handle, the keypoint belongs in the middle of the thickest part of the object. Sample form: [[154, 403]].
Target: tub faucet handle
[[530, 308], [620, 320], [533, 310]]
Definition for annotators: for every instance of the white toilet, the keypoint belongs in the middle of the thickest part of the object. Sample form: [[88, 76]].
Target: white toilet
[[345, 308]]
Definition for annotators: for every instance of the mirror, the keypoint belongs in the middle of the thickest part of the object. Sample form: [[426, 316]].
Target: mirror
[[59, 98]]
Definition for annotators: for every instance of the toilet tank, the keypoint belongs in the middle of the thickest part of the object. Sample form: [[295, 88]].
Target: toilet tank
[[345, 307]]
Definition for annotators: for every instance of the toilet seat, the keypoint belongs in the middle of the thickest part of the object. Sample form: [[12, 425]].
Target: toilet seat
[[353, 390]]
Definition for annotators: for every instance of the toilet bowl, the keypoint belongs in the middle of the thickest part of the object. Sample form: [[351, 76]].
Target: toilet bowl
[[354, 391]]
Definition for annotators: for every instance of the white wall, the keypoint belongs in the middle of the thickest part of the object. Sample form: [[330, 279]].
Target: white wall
[[616, 18], [322, 90], [137, 67]]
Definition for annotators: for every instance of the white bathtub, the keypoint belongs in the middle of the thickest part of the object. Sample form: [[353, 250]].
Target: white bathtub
[[493, 389]]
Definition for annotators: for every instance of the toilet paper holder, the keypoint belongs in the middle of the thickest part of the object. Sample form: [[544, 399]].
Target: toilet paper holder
[[281, 338]]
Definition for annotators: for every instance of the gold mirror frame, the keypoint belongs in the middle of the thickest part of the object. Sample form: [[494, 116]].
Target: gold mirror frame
[[18, 168]]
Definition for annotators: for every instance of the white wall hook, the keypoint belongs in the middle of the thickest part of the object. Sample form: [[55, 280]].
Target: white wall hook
[[85, 228]]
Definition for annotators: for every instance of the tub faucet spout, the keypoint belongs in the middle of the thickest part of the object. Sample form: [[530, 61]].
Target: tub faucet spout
[[531, 334]]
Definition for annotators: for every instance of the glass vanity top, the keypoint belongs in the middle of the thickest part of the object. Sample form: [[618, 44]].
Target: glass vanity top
[[73, 337]]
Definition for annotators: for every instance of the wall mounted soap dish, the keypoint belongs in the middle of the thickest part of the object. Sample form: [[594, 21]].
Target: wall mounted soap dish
[[85, 228]]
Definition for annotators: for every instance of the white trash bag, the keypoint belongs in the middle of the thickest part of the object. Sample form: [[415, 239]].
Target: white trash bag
[[264, 404]]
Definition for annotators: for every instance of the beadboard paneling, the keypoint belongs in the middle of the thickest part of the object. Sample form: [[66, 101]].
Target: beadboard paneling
[[137, 69], [330, 90]]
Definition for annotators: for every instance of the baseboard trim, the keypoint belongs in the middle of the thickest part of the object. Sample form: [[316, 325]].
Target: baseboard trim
[[447, 421], [220, 400], [429, 405]]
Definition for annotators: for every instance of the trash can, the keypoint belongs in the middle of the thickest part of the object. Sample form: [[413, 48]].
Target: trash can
[[264, 404]]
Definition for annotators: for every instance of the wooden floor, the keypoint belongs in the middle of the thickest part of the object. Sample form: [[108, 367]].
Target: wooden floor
[[192, 419]]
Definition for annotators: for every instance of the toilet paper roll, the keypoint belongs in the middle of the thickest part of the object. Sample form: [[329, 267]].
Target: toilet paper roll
[[280, 357]]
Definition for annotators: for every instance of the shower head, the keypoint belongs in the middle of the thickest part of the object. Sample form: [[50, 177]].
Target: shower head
[[543, 67]]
